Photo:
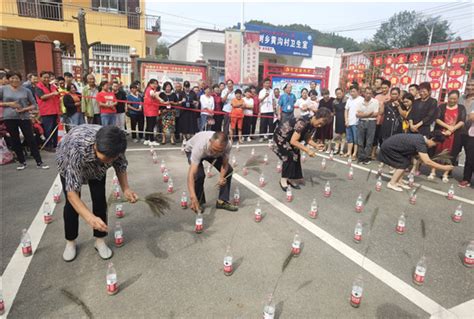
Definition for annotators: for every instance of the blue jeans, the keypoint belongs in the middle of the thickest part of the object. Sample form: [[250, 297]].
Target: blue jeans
[[49, 123], [203, 122], [351, 134], [108, 118], [77, 119]]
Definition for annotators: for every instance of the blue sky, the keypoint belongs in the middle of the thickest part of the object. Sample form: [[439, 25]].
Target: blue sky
[[363, 18]]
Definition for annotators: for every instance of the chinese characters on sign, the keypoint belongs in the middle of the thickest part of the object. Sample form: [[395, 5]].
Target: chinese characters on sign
[[282, 41], [233, 51], [250, 59], [172, 72]]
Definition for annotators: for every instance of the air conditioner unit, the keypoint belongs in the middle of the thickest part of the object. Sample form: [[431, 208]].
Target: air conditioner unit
[[138, 10]]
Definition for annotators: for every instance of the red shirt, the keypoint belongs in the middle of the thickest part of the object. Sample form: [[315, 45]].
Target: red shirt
[[217, 102], [150, 104], [256, 105], [50, 106], [106, 97]]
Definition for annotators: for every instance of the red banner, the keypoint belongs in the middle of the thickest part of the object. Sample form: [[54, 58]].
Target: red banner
[[405, 80], [233, 52], [458, 59], [401, 59], [251, 53], [435, 85], [415, 58], [456, 72], [438, 60], [453, 85], [435, 73]]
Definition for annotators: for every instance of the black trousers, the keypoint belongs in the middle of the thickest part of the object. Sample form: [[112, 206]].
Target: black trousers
[[469, 164], [27, 130], [150, 126], [96, 119], [224, 192], [247, 126], [218, 125], [253, 124], [137, 120], [99, 209], [266, 124]]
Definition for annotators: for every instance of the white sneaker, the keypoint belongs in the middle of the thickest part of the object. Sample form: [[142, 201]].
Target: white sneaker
[[249, 139], [394, 187], [431, 176], [445, 179], [104, 251], [69, 253], [154, 144], [146, 142], [403, 186]]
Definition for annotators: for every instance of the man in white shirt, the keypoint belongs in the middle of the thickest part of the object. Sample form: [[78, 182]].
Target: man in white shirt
[[227, 95], [366, 112], [207, 108], [267, 109], [352, 121]]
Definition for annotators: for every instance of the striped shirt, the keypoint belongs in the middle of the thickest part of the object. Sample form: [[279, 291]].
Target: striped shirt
[[77, 161]]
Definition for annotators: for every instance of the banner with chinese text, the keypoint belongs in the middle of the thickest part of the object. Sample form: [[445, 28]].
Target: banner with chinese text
[[233, 55], [250, 59]]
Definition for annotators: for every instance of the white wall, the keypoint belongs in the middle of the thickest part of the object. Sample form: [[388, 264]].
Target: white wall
[[211, 46]]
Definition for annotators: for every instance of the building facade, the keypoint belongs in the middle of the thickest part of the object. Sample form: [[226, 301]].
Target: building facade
[[29, 28], [207, 45]]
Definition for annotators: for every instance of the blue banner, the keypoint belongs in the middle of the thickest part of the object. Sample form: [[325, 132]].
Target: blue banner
[[283, 42]]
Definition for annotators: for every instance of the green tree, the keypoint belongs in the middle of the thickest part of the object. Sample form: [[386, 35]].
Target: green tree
[[162, 51], [408, 29], [421, 33], [396, 32]]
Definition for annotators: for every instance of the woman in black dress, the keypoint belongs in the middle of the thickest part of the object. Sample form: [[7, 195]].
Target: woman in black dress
[[287, 144], [168, 113], [188, 118], [398, 150], [326, 133], [393, 115], [339, 107]]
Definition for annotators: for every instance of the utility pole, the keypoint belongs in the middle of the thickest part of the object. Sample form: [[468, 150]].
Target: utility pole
[[242, 42], [428, 49], [85, 46]]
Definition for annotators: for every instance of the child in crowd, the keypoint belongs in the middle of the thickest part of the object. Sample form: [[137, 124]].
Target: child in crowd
[[237, 115]]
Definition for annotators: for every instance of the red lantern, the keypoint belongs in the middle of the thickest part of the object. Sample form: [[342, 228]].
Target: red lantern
[[351, 67], [394, 80], [405, 80], [361, 67], [458, 59], [453, 85], [415, 58], [401, 59], [378, 61], [389, 60], [456, 72], [402, 69], [360, 75], [435, 73], [351, 76], [435, 85], [438, 60], [388, 70]]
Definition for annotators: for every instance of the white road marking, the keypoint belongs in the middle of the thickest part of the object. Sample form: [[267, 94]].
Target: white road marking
[[18, 265], [444, 194], [427, 188], [404, 289], [464, 310]]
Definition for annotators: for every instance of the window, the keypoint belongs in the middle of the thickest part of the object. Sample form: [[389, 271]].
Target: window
[[109, 5]]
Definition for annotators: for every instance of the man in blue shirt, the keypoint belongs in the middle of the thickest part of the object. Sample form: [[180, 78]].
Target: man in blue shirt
[[287, 103]]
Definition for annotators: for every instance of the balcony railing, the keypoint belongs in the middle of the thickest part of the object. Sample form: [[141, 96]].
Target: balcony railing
[[65, 12]]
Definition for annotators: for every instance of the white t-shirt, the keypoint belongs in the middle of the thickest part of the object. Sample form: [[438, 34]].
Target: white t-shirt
[[227, 107], [351, 106], [248, 102], [266, 105], [206, 103], [304, 104], [370, 107]]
